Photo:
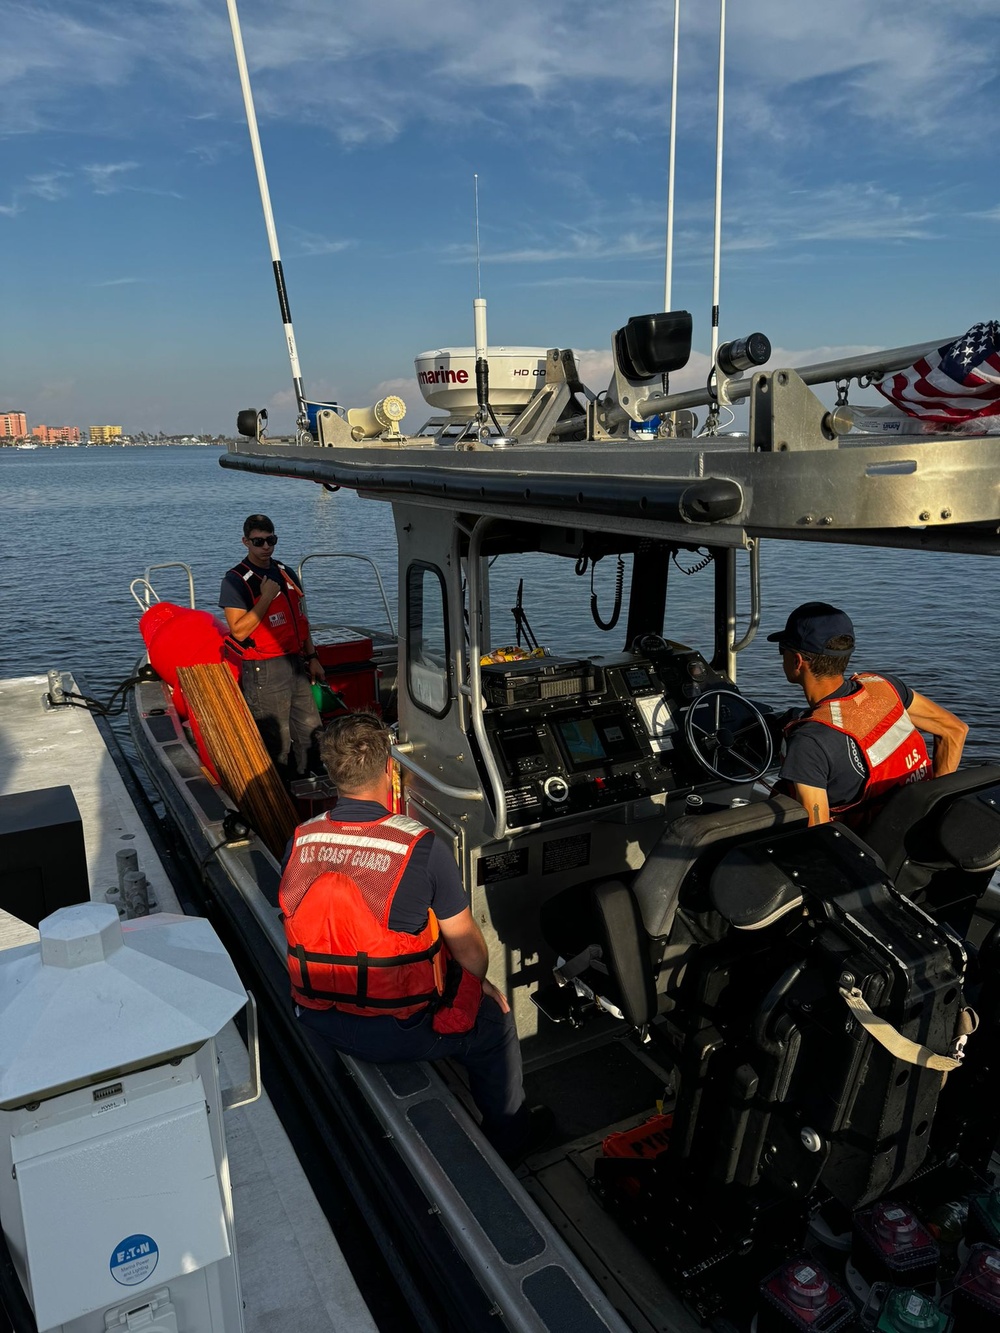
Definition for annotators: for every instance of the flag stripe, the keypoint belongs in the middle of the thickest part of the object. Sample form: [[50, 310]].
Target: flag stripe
[[957, 382]]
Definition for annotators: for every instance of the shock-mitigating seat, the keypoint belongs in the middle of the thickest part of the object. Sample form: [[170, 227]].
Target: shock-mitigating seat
[[940, 841], [630, 943]]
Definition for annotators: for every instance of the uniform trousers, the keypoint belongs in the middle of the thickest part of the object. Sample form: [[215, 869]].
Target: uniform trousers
[[489, 1052], [279, 695]]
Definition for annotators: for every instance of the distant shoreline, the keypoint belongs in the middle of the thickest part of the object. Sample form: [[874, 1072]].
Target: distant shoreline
[[17, 446]]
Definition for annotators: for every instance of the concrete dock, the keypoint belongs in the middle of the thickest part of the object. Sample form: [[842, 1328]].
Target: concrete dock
[[293, 1273]]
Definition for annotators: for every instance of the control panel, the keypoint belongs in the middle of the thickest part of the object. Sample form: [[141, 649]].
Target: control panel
[[571, 735]]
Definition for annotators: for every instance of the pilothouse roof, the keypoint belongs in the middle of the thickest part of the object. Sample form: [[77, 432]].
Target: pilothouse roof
[[794, 475]]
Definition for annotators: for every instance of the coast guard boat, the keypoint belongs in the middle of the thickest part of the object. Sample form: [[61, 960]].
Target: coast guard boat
[[771, 1049]]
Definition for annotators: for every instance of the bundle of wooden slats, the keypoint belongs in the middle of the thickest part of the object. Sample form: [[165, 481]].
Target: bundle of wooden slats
[[241, 761]]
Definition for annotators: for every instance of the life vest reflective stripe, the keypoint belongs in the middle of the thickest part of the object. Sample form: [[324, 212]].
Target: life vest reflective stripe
[[892, 748], [336, 897], [284, 628]]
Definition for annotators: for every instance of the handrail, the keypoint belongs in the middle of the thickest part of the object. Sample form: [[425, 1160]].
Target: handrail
[[353, 555], [753, 547], [475, 677], [169, 564], [144, 583], [249, 1091], [401, 754], [873, 364]]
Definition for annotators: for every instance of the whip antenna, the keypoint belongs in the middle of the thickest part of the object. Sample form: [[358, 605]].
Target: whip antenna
[[483, 410], [265, 199], [479, 271], [717, 248], [669, 277]]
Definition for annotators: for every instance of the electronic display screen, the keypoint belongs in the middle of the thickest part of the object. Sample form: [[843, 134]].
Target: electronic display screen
[[583, 745], [522, 750]]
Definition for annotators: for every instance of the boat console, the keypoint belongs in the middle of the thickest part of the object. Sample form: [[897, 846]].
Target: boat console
[[574, 735]]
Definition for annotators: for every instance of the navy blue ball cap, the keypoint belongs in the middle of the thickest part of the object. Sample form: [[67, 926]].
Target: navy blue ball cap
[[811, 626]]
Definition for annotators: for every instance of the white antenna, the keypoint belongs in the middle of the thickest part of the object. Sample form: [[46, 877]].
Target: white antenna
[[669, 277], [717, 249], [479, 325], [265, 199], [479, 271]]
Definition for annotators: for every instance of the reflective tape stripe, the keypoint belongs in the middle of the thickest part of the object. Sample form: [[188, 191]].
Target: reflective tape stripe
[[836, 713], [897, 735], [379, 844], [404, 823]]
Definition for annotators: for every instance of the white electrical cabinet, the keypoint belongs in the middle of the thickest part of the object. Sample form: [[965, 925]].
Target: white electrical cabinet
[[115, 1198]]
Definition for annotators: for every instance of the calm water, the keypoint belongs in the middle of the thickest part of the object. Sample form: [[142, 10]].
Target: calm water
[[79, 524]]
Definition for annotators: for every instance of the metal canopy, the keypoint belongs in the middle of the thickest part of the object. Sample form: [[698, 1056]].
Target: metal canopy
[[923, 491]]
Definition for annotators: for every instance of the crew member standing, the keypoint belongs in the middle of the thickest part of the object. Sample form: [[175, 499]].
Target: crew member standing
[[269, 636], [373, 908], [859, 738]]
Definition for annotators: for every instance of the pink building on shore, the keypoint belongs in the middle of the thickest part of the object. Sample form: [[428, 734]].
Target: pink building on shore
[[13, 425], [56, 434]]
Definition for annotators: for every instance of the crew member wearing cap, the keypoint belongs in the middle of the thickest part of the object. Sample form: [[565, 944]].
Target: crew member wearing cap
[[860, 737]]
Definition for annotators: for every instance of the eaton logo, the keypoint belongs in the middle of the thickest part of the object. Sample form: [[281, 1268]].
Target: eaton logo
[[134, 1259]]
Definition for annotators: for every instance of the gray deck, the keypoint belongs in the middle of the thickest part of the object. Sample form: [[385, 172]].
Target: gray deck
[[292, 1271]]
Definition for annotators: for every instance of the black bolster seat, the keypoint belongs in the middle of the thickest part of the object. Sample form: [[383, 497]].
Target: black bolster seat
[[686, 840], [969, 831], [940, 840], [628, 928]]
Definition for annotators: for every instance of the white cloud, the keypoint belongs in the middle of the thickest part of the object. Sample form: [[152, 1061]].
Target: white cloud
[[575, 244], [50, 186], [366, 71], [106, 177], [595, 367], [281, 400], [570, 280], [403, 385], [844, 210], [311, 244]]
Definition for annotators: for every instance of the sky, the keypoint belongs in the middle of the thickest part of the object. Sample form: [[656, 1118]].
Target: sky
[[861, 195]]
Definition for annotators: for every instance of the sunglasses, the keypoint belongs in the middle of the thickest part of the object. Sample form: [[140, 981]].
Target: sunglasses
[[263, 541]]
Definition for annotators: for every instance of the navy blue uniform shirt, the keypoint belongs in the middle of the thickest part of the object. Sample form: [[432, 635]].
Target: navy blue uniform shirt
[[818, 756]]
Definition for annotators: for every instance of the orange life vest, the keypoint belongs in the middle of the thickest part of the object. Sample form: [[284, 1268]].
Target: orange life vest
[[336, 896], [893, 749], [284, 628]]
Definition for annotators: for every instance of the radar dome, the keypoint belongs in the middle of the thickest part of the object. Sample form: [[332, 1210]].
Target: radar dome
[[447, 377]]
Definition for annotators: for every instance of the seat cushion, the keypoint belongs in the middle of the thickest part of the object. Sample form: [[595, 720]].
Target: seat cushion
[[686, 840], [749, 891], [908, 826], [969, 831]]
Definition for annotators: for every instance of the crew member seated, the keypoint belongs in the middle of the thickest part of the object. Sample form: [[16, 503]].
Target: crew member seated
[[859, 738]]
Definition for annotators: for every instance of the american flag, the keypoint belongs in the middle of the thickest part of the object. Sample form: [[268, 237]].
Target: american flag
[[954, 383]]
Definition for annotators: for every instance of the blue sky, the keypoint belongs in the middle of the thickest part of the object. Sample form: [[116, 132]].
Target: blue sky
[[862, 188]]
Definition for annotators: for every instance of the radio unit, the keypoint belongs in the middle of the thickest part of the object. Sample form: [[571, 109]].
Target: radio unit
[[507, 685]]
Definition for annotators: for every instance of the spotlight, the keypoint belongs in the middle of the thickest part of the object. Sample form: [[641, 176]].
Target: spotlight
[[742, 353], [252, 423], [651, 345]]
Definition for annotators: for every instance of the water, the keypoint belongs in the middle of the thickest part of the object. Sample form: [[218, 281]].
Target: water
[[79, 524]]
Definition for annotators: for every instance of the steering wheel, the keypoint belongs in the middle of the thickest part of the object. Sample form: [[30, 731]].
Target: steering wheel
[[728, 736]]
